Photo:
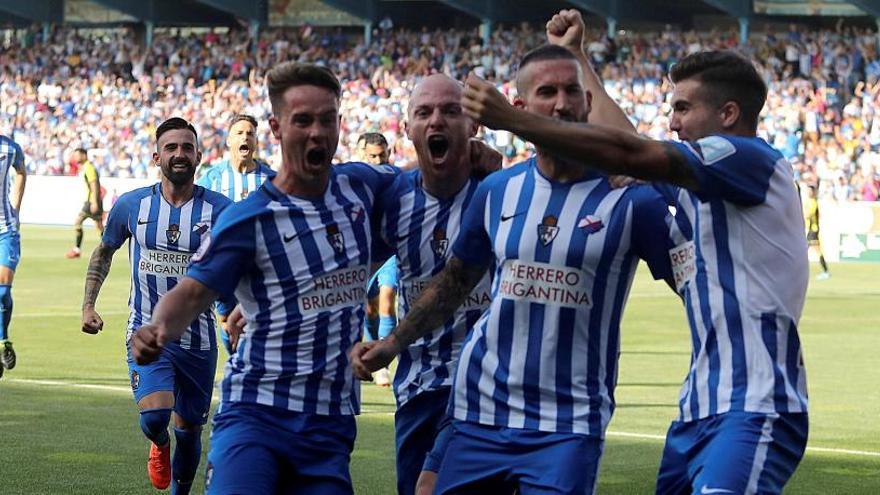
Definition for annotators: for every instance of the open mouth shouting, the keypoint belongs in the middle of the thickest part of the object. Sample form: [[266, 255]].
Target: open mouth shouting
[[317, 157], [244, 149], [438, 146]]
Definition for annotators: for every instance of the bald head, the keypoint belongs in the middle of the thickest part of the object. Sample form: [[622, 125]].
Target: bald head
[[432, 88]]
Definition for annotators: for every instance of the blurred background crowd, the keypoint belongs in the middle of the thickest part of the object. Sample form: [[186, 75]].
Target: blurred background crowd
[[99, 89]]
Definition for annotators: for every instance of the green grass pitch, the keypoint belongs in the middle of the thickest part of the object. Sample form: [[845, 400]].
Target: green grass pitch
[[68, 423]]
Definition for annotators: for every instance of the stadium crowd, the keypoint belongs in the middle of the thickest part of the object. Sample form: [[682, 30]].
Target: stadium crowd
[[100, 90]]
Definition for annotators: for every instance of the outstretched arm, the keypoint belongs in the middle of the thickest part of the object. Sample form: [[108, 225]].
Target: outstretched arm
[[611, 150], [436, 304], [175, 311]]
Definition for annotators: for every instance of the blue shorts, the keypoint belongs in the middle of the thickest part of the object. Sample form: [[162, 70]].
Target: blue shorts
[[10, 249], [734, 452], [491, 459], [264, 449], [189, 374], [421, 429]]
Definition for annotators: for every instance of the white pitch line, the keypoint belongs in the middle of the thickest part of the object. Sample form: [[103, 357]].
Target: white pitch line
[[370, 412]]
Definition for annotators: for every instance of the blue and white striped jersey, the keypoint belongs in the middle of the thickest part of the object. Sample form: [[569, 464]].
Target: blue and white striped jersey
[[299, 269], [235, 185], [162, 240], [741, 268], [544, 355], [11, 157], [421, 230]]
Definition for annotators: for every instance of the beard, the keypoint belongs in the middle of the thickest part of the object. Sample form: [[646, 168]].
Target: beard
[[179, 177]]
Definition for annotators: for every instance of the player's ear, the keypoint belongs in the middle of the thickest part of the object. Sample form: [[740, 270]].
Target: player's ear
[[407, 129], [198, 158], [729, 113], [275, 126], [156, 158]]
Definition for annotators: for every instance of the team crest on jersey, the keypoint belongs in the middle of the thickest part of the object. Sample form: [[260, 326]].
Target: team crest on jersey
[[135, 380], [590, 224], [200, 228], [335, 238], [356, 214], [547, 230], [173, 233], [439, 243]]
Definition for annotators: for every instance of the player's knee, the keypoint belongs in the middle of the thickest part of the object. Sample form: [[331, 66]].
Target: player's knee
[[154, 423]]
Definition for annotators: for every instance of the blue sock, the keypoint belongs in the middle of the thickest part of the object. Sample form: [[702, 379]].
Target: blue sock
[[154, 423], [185, 461], [371, 329], [386, 325], [5, 310]]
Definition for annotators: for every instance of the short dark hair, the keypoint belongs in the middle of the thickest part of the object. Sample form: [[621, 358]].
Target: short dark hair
[[81, 150], [242, 116], [540, 54], [374, 138], [290, 74], [727, 76], [175, 123]]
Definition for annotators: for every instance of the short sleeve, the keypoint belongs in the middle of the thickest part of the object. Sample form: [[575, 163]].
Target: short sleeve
[[224, 253], [737, 170], [118, 228], [473, 245], [651, 240], [387, 275]]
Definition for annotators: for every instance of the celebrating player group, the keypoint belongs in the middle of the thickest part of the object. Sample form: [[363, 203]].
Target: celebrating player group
[[511, 285]]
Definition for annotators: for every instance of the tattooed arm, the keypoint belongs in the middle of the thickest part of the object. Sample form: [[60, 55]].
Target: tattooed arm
[[99, 267], [436, 304]]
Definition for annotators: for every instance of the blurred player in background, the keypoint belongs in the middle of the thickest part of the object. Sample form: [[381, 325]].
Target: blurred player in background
[[235, 177], [373, 148], [93, 207], [164, 223], [811, 218]]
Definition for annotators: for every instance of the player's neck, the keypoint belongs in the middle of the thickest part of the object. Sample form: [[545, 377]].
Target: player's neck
[[559, 170], [242, 165], [444, 187], [176, 195], [303, 187]]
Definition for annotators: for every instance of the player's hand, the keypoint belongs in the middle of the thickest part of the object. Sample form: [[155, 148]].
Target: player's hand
[[483, 103], [235, 327], [91, 321], [146, 344], [367, 357], [566, 29], [484, 158], [93, 208]]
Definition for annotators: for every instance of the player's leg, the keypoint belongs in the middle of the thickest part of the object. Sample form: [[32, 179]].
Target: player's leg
[[244, 458], [673, 477], [749, 453], [477, 461], [194, 380], [416, 424], [76, 251], [434, 460], [320, 454], [153, 388], [9, 256]]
